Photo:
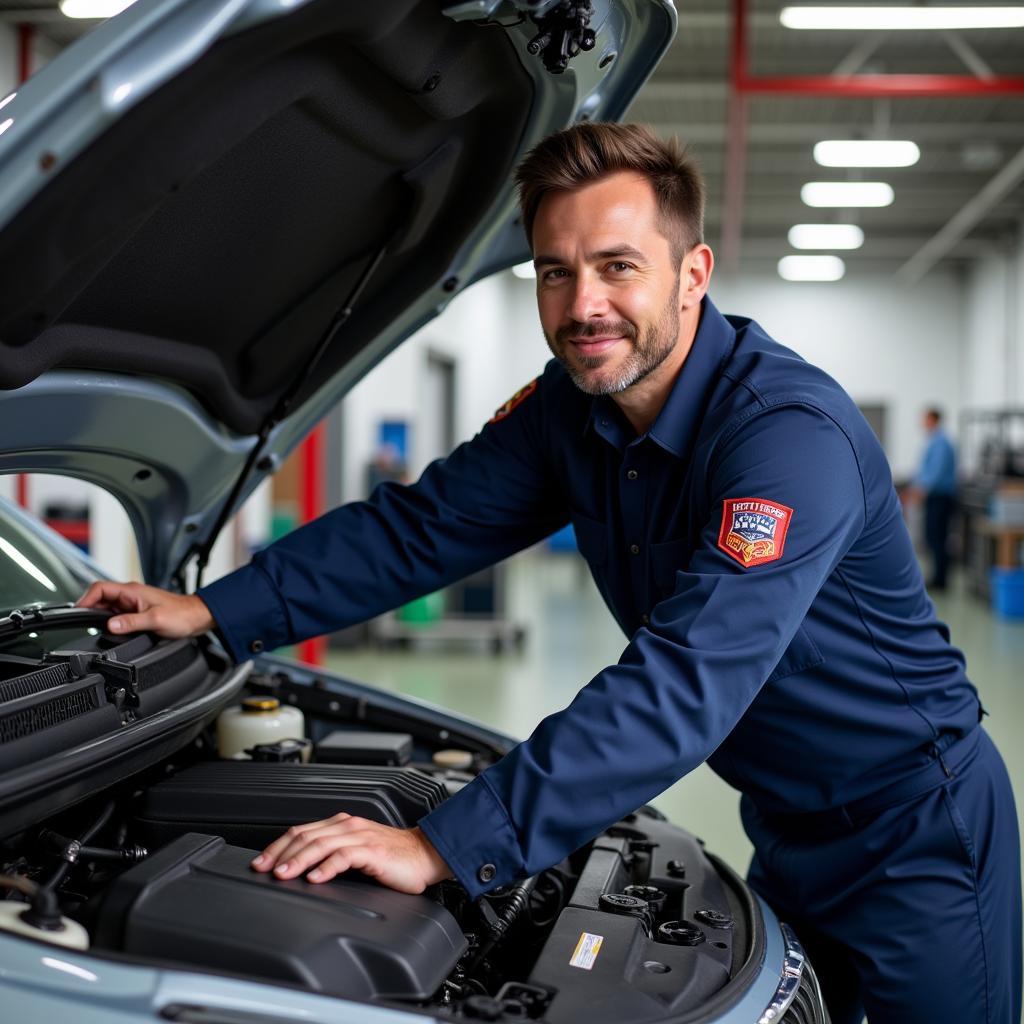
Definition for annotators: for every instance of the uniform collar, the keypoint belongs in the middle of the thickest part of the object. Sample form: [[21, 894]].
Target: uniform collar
[[676, 424]]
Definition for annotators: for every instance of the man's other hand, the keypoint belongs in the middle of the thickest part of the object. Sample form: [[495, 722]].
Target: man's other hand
[[400, 858], [149, 608]]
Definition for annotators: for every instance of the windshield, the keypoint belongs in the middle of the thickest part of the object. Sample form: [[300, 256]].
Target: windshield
[[32, 572]]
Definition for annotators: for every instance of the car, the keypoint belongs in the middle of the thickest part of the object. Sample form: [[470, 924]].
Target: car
[[215, 216]]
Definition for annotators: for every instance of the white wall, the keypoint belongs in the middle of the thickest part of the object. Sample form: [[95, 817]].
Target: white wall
[[883, 342], [994, 355], [492, 333]]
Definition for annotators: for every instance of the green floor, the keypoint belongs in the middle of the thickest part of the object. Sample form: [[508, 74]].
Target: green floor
[[571, 636]]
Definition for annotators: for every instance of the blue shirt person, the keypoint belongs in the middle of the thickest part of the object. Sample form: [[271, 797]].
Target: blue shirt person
[[936, 482], [739, 519], [937, 474]]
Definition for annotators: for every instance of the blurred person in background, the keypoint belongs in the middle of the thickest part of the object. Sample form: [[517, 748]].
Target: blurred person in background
[[935, 486]]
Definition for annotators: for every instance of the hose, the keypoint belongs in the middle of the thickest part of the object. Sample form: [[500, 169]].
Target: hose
[[72, 848]]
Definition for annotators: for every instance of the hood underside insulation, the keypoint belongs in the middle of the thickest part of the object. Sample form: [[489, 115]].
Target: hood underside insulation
[[209, 237]]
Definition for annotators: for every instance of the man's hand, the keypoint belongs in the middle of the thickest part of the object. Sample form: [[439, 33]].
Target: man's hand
[[149, 608], [400, 858]]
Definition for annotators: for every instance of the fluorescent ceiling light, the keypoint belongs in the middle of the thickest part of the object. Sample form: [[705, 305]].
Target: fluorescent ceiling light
[[93, 8], [847, 193], [527, 271], [866, 153], [811, 268], [7, 99], [875, 18], [4, 125], [826, 236]]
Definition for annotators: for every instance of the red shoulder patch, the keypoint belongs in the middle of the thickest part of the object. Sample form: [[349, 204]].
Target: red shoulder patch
[[753, 530], [515, 401]]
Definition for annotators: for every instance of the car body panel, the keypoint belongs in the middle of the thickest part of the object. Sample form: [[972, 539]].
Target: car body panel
[[68, 111], [44, 983]]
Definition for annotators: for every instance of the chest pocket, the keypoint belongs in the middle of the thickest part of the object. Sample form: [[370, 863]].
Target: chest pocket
[[591, 538]]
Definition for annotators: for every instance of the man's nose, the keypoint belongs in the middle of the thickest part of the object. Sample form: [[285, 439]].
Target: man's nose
[[587, 299]]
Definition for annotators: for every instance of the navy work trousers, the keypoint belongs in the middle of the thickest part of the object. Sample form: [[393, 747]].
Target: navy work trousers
[[938, 515], [912, 916]]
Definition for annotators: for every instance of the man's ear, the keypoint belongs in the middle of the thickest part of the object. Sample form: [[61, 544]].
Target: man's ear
[[695, 275]]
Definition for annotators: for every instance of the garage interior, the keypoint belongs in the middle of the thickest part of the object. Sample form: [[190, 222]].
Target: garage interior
[[926, 311]]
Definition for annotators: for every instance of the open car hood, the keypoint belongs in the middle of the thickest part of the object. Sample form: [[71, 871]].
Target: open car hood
[[199, 194]]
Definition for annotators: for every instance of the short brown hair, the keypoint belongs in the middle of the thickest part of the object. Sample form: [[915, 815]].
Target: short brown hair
[[587, 152]]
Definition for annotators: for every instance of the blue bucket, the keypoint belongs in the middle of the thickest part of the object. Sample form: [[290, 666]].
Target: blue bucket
[[1008, 593]]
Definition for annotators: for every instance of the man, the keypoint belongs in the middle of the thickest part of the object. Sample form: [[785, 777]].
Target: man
[[739, 518], [936, 484]]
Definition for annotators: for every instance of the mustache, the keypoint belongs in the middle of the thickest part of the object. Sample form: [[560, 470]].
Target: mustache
[[596, 329]]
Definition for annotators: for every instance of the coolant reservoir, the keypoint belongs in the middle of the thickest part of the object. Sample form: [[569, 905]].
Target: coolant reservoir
[[71, 934], [257, 720]]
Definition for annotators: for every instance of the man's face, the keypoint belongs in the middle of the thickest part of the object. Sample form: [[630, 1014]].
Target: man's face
[[607, 286]]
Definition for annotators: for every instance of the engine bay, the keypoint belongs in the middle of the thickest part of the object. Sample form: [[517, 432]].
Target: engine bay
[[638, 925]]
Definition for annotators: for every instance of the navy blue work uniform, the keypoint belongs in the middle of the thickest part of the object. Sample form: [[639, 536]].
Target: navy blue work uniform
[[752, 548]]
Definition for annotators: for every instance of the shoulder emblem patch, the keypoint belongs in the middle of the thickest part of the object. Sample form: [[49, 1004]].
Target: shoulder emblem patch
[[515, 401], [753, 530]]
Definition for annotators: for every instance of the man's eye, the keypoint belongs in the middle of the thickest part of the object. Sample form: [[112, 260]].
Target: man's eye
[[619, 267], [553, 275]]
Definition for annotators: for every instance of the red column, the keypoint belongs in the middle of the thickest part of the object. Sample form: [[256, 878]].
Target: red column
[[26, 33], [311, 482]]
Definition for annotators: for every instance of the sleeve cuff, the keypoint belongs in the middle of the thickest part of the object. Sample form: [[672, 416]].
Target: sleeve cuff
[[472, 832], [248, 611]]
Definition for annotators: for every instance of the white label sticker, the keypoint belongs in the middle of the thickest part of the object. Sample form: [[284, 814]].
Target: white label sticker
[[586, 951]]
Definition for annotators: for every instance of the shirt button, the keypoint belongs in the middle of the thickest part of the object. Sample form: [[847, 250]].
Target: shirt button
[[486, 873], [632, 474], [645, 619], [634, 549], [256, 646]]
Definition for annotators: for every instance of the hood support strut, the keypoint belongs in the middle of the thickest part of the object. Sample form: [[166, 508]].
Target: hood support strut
[[201, 551]]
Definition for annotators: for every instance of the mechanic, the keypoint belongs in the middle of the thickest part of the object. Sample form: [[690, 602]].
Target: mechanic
[[739, 518], [935, 486]]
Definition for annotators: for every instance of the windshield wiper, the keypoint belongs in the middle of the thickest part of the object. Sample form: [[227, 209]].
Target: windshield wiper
[[50, 616]]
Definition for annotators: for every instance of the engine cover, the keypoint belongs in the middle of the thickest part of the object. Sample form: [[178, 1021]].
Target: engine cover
[[252, 803], [197, 901]]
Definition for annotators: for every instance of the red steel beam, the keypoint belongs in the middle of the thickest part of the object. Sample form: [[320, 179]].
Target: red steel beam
[[856, 85], [879, 85], [742, 85], [311, 505]]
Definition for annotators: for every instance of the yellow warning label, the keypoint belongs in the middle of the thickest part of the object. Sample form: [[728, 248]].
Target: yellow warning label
[[586, 951]]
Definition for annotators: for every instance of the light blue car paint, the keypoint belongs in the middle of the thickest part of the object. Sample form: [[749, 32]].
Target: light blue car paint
[[44, 984], [88, 87]]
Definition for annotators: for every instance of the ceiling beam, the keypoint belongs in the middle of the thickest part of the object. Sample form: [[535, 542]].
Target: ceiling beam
[[968, 54], [791, 132], [970, 214], [859, 55], [893, 248]]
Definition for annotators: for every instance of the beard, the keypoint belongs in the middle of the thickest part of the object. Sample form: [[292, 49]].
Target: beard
[[651, 346]]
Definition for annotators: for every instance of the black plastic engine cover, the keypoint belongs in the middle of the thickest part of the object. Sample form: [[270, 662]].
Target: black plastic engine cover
[[198, 902], [251, 803]]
